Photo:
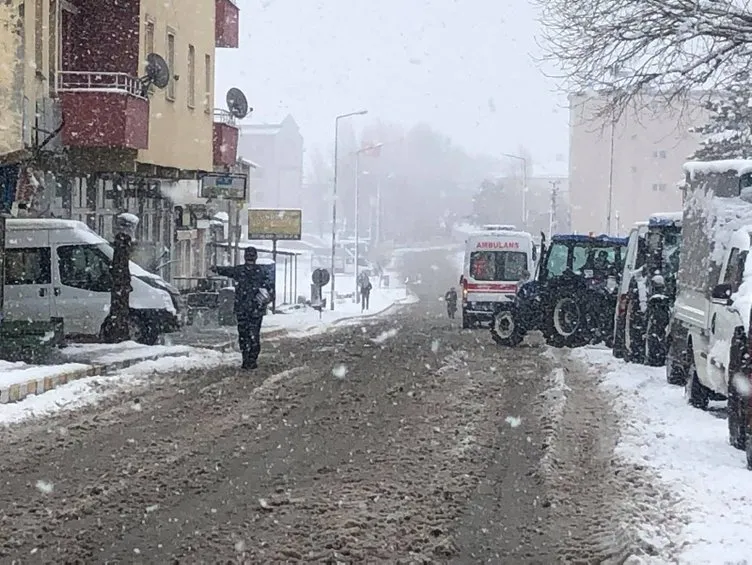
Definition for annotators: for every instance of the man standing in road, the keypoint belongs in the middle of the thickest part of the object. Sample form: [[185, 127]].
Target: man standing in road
[[253, 294]]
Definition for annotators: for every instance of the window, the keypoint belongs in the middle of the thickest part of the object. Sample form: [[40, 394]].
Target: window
[[207, 83], [735, 269], [53, 24], [149, 37], [659, 154], [659, 187], [498, 265], [171, 65], [29, 265], [191, 76], [634, 169], [39, 26], [85, 267], [556, 262]]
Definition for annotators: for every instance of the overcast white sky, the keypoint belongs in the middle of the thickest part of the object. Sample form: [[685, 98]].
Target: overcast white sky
[[464, 66]]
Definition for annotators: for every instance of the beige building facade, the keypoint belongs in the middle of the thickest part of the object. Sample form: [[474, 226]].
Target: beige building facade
[[636, 159]]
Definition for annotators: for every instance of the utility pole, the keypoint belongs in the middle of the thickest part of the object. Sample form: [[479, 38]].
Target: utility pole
[[552, 213], [334, 194], [610, 178]]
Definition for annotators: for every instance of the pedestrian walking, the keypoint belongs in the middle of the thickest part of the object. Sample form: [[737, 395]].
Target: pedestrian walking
[[365, 291], [451, 301], [253, 294]]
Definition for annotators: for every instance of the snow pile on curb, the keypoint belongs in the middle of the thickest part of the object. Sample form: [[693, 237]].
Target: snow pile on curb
[[90, 390], [704, 478]]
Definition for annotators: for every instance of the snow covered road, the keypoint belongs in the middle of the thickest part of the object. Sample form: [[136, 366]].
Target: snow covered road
[[399, 439]]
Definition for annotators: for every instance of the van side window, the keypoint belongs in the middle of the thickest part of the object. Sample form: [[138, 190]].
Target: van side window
[[85, 267], [29, 265], [735, 269]]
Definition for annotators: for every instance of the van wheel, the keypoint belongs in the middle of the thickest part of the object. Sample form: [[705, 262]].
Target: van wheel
[[505, 330], [634, 335], [695, 392], [736, 413], [676, 372], [655, 337], [140, 331], [466, 321]]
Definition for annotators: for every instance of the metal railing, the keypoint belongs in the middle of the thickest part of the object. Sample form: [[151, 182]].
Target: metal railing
[[223, 117], [94, 81]]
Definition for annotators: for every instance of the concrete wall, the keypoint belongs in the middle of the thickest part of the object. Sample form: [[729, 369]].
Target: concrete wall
[[181, 136], [11, 82], [651, 141]]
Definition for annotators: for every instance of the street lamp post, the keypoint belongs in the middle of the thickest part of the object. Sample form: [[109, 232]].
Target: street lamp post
[[334, 194], [357, 212], [524, 185]]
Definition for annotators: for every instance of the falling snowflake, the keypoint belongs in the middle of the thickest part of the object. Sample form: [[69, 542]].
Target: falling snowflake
[[383, 336], [45, 487], [513, 421], [340, 371], [435, 346], [741, 382]]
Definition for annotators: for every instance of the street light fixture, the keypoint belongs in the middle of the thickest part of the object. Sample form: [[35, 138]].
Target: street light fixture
[[334, 191], [373, 147], [524, 185]]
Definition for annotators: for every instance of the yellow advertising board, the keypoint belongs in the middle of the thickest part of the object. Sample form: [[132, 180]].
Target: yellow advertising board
[[275, 223]]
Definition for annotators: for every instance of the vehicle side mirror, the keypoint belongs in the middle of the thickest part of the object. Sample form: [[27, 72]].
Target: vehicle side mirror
[[722, 294]]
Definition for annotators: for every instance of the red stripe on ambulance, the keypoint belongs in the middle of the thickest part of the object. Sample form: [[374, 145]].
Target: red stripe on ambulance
[[491, 287]]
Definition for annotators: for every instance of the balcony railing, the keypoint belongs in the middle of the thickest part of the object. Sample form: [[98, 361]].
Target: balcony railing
[[224, 117], [93, 81]]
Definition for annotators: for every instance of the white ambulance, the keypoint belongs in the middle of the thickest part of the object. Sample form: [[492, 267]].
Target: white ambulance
[[496, 263]]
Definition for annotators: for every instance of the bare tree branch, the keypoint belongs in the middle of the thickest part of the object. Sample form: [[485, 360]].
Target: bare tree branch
[[666, 48]]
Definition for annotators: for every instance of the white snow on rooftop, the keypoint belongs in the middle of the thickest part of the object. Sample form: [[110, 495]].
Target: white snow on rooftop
[[738, 166], [669, 216]]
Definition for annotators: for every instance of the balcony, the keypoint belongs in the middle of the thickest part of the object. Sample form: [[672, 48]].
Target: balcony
[[225, 139], [226, 27], [103, 110]]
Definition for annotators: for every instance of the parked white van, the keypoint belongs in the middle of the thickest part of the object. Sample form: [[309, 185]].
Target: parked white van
[[61, 269]]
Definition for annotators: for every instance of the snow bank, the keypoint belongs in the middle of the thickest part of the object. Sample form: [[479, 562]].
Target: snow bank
[[90, 390], [688, 449], [17, 373]]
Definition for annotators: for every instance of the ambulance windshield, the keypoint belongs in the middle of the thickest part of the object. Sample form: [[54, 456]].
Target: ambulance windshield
[[498, 265]]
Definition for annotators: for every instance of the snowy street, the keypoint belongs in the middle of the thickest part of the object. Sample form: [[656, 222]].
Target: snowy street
[[398, 439]]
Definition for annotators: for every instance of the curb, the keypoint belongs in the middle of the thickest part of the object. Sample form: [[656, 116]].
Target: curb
[[19, 391]]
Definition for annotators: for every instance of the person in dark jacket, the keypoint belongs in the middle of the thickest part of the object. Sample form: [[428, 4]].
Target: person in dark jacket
[[253, 294]]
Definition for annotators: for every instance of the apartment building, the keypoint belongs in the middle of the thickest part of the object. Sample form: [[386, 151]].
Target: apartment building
[[99, 143], [278, 151], [633, 163]]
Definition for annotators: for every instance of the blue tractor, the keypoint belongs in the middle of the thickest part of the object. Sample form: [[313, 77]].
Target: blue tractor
[[572, 297]]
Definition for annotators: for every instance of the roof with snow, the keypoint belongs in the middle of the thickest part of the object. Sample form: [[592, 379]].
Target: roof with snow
[[738, 166]]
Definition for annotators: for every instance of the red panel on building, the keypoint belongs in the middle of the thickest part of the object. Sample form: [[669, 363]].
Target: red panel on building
[[105, 119], [226, 22], [225, 142]]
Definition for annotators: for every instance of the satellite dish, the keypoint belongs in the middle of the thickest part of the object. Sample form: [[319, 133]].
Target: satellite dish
[[157, 72], [237, 103]]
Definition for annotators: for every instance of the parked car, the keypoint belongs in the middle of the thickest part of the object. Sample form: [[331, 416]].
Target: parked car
[[710, 327], [61, 269]]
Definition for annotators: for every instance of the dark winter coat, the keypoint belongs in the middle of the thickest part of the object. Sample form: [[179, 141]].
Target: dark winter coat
[[249, 280], [451, 297]]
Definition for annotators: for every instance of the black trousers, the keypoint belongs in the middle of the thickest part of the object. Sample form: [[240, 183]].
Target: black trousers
[[365, 299], [249, 339]]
